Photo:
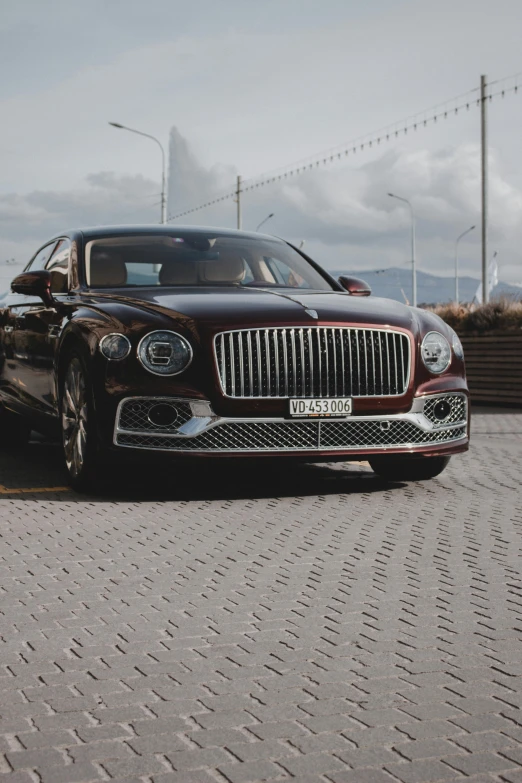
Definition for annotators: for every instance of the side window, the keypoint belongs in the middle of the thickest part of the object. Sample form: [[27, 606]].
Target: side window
[[284, 274], [58, 266], [41, 258]]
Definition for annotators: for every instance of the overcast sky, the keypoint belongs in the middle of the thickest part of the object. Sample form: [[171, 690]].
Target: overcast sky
[[248, 87]]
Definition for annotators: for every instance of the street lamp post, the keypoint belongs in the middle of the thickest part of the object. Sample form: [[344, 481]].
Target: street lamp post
[[271, 215], [163, 178], [413, 262], [457, 261]]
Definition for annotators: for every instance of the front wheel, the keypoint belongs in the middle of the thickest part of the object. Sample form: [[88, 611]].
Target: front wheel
[[81, 453], [398, 468]]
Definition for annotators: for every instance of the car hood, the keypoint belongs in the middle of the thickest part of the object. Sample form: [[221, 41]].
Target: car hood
[[247, 307]]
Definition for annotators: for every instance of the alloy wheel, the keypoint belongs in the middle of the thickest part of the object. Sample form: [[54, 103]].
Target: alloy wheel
[[74, 418]]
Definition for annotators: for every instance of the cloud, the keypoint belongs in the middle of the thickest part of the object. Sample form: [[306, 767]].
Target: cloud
[[343, 212], [348, 220], [28, 220]]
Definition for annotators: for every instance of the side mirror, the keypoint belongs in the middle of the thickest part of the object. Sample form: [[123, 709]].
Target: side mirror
[[355, 286], [37, 283]]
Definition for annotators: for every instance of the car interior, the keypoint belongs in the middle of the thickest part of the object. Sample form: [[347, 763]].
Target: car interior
[[141, 262]]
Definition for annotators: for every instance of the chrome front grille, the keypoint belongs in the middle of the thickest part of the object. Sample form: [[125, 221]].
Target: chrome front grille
[[289, 436], [313, 362]]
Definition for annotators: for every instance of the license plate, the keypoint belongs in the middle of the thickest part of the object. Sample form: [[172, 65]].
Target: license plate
[[336, 406]]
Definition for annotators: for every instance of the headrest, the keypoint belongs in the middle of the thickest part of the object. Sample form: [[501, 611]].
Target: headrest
[[107, 270], [226, 270], [179, 273]]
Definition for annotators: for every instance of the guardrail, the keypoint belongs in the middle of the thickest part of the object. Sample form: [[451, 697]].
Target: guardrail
[[494, 367]]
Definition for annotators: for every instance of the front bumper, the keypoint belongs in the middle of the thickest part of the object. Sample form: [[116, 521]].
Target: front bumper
[[198, 431]]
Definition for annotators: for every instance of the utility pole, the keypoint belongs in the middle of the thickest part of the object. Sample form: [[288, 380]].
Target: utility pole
[[484, 167], [238, 201], [163, 194]]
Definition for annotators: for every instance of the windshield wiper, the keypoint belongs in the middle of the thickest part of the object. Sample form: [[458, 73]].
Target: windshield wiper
[[311, 313]]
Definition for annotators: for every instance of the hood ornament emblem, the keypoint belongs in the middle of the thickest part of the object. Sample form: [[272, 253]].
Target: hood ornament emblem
[[312, 313]]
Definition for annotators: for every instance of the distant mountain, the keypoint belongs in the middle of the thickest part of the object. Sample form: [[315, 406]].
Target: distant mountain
[[431, 289]]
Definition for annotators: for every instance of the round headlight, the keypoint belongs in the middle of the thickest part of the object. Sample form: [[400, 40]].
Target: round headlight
[[164, 353], [458, 350], [436, 352], [115, 346]]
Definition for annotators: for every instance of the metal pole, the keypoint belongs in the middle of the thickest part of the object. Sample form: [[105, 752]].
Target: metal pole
[[413, 268], [484, 167], [163, 177], [163, 187], [457, 261], [238, 200]]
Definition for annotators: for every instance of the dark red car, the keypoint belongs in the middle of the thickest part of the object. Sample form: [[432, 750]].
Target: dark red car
[[195, 342]]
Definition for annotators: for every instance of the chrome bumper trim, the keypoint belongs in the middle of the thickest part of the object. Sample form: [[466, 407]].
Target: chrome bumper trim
[[214, 434]]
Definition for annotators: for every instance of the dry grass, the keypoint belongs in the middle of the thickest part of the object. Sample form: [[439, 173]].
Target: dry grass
[[504, 313]]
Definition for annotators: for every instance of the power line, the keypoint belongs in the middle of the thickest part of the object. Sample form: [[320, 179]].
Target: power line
[[463, 102]]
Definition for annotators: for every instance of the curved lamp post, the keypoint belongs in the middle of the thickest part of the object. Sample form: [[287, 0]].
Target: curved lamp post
[[148, 136], [271, 215], [413, 262]]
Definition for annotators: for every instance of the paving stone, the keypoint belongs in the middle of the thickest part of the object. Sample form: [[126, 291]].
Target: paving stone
[[318, 763], [480, 762], [425, 749], [156, 743], [197, 759], [328, 627], [159, 726], [27, 759], [135, 766], [486, 740], [250, 771], [266, 749], [74, 773], [361, 776], [46, 739], [280, 730], [422, 771], [17, 777]]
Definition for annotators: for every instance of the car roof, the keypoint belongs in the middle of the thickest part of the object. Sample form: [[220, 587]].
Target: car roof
[[155, 230]]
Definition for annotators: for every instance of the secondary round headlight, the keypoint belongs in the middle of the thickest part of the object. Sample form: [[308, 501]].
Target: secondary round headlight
[[164, 353], [458, 350], [115, 346], [436, 352]]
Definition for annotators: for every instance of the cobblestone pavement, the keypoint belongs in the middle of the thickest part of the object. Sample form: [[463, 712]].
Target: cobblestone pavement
[[242, 625]]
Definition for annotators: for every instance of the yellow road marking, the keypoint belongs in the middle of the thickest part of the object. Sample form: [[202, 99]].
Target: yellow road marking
[[23, 490]]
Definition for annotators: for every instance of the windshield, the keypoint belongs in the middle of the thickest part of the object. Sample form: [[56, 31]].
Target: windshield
[[198, 259]]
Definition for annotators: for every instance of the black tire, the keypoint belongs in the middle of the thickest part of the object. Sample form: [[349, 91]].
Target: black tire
[[83, 458], [14, 430], [398, 468]]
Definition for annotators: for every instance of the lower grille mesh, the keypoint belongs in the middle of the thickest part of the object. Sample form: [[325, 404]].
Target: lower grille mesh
[[134, 414], [458, 409], [296, 436]]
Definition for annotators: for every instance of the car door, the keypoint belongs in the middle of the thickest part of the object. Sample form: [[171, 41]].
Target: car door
[[35, 333], [13, 375]]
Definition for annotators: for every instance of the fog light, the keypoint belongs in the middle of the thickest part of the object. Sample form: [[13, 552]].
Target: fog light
[[441, 410], [115, 346], [162, 414]]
